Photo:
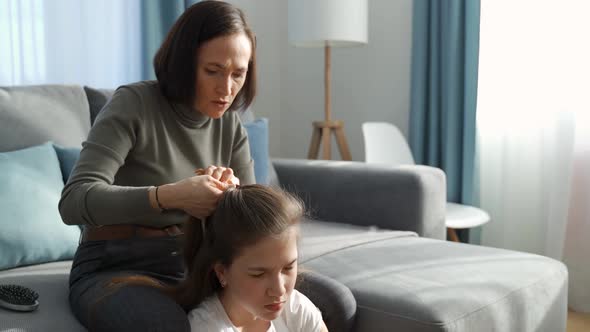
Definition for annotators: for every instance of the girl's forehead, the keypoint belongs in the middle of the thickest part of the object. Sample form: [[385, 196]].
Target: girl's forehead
[[276, 248]]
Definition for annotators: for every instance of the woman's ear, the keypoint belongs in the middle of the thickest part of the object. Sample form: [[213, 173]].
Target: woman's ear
[[220, 273]]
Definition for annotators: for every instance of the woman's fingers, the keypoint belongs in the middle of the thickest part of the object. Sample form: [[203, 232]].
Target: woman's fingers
[[209, 170], [218, 172], [227, 175], [223, 174], [203, 201], [216, 184]]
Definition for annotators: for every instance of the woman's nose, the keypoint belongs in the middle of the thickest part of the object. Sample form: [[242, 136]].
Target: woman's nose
[[224, 85]]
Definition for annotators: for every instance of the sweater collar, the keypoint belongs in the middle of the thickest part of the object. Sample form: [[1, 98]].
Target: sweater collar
[[188, 116]]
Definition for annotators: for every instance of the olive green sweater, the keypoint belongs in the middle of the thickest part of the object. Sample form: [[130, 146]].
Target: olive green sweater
[[141, 139]]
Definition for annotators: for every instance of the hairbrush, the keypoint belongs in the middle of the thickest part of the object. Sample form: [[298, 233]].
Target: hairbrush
[[18, 298]]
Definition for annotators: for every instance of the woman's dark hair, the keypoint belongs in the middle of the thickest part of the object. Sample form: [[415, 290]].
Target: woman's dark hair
[[175, 63], [243, 216]]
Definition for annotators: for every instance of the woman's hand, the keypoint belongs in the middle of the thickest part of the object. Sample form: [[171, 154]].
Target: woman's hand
[[197, 195], [223, 174]]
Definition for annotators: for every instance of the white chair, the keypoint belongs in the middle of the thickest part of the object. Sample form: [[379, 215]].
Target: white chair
[[385, 144]]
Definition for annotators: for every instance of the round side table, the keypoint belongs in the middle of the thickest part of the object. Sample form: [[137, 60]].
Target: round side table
[[459, 216]]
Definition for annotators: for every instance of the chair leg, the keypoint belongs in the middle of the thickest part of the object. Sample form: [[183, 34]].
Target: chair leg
[[452, 234]]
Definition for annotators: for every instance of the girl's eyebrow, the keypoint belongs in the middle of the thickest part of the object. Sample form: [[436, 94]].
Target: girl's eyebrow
[[264, 269]]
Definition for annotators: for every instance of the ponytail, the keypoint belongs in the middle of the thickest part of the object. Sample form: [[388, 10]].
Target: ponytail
[[200, 281]]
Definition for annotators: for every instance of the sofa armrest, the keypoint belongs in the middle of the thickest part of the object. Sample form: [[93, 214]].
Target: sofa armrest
[[411, 198]]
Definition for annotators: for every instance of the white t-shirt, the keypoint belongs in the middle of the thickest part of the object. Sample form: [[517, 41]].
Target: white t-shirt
[[299, 314]]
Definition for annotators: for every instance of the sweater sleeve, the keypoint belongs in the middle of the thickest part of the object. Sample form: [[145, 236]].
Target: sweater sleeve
[[241, 160], [90, 196]]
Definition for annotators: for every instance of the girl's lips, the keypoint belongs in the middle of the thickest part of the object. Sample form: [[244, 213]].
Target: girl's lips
[[274, 307]]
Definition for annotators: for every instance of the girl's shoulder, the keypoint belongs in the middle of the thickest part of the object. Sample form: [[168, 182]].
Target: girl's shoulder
[[300, 314], [209, 316]]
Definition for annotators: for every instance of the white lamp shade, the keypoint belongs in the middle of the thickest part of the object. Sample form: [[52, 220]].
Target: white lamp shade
[[316, 23]]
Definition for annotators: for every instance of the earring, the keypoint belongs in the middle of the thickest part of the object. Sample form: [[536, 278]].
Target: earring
[[223, 283]]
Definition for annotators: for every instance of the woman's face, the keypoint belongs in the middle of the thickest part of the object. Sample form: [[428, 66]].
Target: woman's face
[[261, 279], [221, 72]]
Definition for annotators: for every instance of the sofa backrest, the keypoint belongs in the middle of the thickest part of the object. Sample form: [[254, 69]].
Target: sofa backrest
[[31, 115]]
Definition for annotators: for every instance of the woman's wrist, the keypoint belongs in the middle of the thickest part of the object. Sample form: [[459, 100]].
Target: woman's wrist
[[152, 198], [159, 197], [165, 197]]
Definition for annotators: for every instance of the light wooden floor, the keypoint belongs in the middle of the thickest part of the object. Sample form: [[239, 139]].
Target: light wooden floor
[[578, 322]]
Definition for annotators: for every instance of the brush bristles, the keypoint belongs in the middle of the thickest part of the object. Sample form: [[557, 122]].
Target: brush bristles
[[19, 295]]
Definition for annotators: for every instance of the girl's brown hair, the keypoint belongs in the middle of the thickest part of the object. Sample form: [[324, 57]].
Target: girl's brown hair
[[244, 215], [175, 63]]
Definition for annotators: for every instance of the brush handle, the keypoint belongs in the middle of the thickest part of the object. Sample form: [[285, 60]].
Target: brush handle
[[19, 307]]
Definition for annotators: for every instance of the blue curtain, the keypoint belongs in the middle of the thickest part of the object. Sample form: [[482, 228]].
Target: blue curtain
[[157, 17], [444, 90]]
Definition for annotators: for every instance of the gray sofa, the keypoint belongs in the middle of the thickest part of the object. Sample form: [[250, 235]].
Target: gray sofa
[[379, 230]]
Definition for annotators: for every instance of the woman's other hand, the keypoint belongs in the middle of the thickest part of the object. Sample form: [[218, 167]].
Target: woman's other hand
[[223, 174], [197, 195]]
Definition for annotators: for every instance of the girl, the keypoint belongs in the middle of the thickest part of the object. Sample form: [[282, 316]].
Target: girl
[[242, 266]]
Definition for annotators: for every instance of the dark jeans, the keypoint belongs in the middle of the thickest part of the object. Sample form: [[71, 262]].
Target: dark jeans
[[140, 308]]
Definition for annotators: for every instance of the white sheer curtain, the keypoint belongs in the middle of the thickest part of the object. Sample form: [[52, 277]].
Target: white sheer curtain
[[86, 42], [533, 143]]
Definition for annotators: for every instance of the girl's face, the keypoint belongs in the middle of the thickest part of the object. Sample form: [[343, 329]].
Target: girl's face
[[221, 72], [260, 280]]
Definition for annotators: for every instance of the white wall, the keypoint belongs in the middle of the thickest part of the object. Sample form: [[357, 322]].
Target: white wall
[[369, 83], [267, 20]]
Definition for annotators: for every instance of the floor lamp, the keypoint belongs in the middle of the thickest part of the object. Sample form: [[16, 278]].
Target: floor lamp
[[327, 24]]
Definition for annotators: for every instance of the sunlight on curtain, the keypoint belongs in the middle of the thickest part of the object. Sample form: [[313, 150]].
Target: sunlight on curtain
[[21, 38], [532, 94], [94, 43], [576, 252]]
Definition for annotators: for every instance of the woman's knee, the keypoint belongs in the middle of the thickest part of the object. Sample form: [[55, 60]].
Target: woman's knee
[[334, 299], [137, 308]]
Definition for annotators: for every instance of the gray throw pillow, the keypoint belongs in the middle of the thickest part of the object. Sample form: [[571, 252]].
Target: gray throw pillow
[[97, 98]]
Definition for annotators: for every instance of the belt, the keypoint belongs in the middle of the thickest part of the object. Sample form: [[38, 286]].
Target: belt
[[119, 232]]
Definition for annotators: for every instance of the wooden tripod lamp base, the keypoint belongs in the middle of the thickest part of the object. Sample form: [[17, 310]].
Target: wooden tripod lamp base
[[322, 131]]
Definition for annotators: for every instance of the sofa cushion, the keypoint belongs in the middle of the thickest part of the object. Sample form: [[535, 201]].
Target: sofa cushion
[[30, 188], [320, 238], [67, 160], [97, 98], [54, 314], [258, 138], [420, 284], [31, 115]]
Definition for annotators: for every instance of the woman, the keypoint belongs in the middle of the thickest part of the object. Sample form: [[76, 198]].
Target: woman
[[134, 182]]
